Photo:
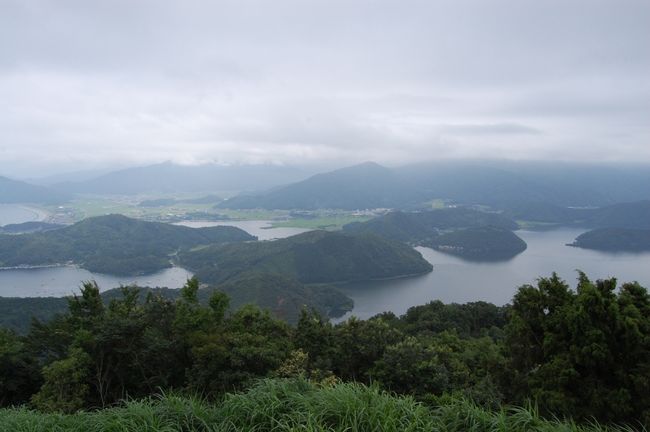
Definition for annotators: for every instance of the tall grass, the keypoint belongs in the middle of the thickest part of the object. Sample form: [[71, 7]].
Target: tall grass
[[292, 405]]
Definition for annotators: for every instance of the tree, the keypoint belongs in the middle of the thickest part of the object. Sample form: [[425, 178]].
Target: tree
[[65, 388]]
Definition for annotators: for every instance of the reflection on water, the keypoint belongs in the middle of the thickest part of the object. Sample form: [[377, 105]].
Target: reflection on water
[[456, 280], [61, 281]]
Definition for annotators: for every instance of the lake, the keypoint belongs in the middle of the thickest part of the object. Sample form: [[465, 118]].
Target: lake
[[61, 281], [460, 281], [452, 279]]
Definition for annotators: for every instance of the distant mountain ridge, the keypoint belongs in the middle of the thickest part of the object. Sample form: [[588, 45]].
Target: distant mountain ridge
[[15, 192], [168, 177], [112, 244], [468, 233], [370, 185], [314, 257], [367, 185], [418, 227], [615, 240], [633, 215]]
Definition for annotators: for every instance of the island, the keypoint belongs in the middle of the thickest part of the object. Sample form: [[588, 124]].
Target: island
[[480, 243], [314, 257], [614, 240]]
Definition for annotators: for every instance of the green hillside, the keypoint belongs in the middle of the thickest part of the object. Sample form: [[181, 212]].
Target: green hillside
[[311, 257], [112, 244], [480, 243], [615, 240], [283, 296], [420, 227]]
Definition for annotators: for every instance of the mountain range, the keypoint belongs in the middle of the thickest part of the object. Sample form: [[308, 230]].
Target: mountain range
[[15, 191], [370, 185], [167, 178]]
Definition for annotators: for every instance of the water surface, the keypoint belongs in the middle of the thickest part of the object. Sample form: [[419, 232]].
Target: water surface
[[16, 213], [457, 280], [262, 229], [64, 280]]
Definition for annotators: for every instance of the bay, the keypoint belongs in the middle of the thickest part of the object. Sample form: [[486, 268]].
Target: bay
[[456, 280], [15, 214]]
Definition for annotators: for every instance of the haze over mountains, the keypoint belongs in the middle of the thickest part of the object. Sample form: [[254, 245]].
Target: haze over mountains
[[15, 191], [172, 178], [370, 185]]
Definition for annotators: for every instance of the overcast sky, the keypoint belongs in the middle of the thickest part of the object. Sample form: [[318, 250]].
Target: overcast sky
[[90, 83]]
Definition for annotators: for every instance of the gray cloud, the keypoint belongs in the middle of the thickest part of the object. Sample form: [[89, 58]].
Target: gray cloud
[[89, 83]]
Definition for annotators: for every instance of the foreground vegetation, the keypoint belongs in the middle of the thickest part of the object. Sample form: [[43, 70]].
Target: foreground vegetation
[[580, 355], [294, 405]]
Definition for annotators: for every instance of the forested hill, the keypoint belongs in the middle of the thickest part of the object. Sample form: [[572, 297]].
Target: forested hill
[[499, 185], [14, 191], [168, 177], [111, 244], [634, 215], [463, 232], [311, 257], [615, 240], [418, 227], [367, 185]]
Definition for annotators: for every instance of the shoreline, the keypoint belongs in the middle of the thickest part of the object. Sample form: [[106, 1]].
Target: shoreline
[[37, 214], [41, 214]]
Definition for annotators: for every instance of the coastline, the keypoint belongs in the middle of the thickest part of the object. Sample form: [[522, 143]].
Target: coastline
[[40, 214], [16, 213]]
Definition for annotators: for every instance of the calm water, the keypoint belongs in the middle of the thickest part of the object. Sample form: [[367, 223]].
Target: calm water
[[13, 214], [260, 228], [455, 280], [62, 281], [452, 279]]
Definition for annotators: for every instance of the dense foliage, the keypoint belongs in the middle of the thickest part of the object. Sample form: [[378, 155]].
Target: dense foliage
[[480, 243], [615, 240], [285, 405], [112, 244], [582, 354], [16, 191], [311, 257], [459, 231], [420, 227]]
